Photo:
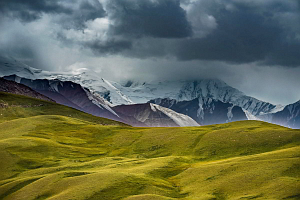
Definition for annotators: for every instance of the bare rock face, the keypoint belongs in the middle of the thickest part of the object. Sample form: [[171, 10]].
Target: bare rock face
[[289, 116], [141, 115], [205, 111], [69, 94], [74, 95], [152, 115], [17, 88]]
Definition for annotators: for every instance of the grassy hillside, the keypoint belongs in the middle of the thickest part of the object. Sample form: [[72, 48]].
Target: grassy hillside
[[17, 106], [56, 156]]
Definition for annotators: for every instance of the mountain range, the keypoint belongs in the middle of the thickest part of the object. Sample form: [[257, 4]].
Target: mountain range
[[206, 101], [70, 94], [74, 95], [205, 111]]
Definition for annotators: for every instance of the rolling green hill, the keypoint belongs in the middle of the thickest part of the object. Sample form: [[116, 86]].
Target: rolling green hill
[[17, 106], [54, 152]]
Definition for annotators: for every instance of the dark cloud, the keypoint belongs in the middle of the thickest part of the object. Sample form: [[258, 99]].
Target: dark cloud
[[238, 31], [72, 15], [90, 10], [30, 10], [159, 19], [232, 31], [241, 36], [285, 54], [84, 11], [246, 33], [108, 47], [135, 23]]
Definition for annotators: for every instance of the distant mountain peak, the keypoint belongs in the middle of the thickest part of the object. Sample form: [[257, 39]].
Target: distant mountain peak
[[289, 116], [70, 94], [205, 110], [134, 92]]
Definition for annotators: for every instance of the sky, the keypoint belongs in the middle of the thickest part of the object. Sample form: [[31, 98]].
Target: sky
[[252, 45]]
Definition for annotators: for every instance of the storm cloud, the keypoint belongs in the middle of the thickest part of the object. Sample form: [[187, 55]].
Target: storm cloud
[[232, 31], [248, 32], [165, 39], [159, 19], [31, 10], [229, 31], [71, 14]]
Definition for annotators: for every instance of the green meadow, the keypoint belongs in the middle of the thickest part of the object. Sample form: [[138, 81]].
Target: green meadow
[[49, 151]]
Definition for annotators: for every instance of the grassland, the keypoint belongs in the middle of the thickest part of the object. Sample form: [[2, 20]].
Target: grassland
[[17, 106], [54, 152]]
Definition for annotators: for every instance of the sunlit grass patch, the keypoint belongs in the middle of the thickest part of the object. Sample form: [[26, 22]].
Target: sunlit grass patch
[[48, 155]]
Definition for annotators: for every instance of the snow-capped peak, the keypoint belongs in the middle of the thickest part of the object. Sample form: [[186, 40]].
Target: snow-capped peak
[[9, 66], [134, 92]]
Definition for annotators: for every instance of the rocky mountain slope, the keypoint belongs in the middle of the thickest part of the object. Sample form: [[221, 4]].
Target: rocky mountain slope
[[74, 95], [109, 93], [289, 116], [16, 88], [149, 114], [132, 92], [188, 90], [69, 94], [205, 111]]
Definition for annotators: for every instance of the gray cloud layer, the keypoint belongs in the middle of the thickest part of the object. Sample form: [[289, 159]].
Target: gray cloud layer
[[31, 10], [234, 31], [71, 14], [244, 31], [158, 19], [168, 39]]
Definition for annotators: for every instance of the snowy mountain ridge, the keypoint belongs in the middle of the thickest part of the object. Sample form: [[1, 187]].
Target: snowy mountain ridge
[[132, 92], [205, 111], [70, 94], [289, 116]]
